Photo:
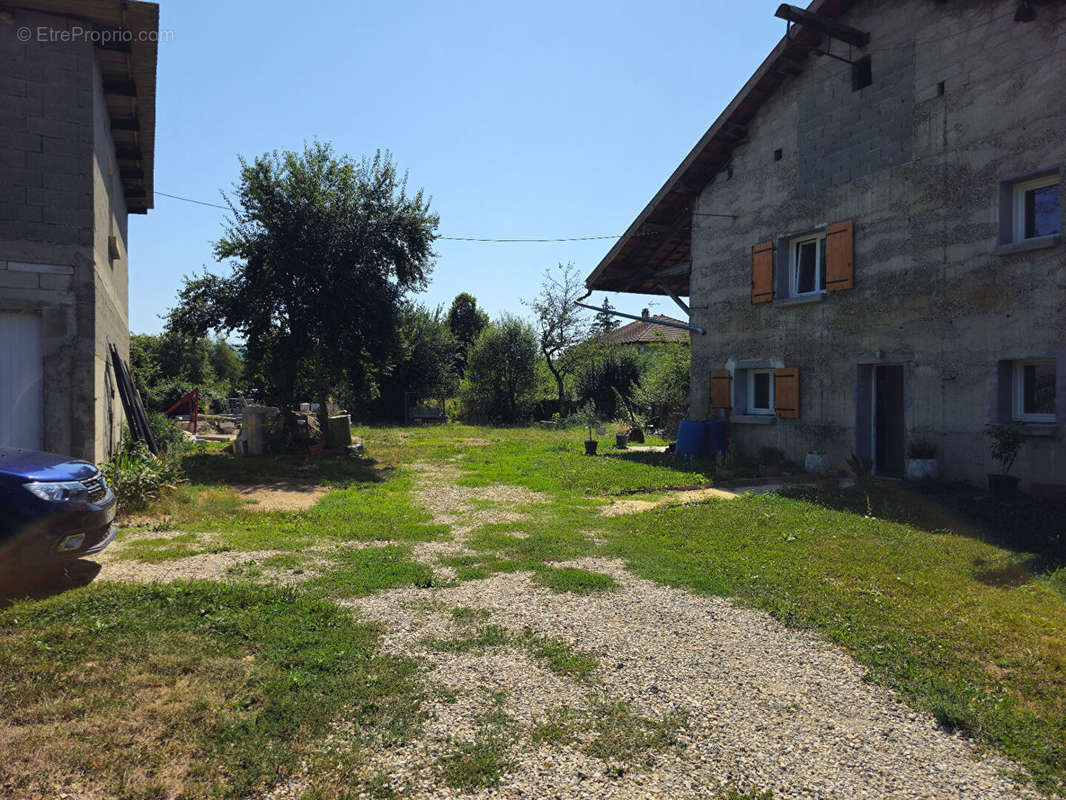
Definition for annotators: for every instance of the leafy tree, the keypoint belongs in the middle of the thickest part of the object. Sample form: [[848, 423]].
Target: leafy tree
[[168, 366], [603, 322], [560, 323], [608, 377], [466, 321], [500, 375], [662, 394], [323, 251], [423, 362]]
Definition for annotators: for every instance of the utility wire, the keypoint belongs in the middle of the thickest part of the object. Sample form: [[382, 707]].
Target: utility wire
[[448, 238]]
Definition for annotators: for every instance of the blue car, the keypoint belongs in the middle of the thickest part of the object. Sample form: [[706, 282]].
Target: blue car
[[52, 509]]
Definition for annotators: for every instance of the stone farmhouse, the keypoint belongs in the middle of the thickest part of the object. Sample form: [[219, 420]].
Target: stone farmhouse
[[870, 234]]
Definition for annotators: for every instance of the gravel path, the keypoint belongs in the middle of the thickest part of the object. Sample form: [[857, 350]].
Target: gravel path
[[766, 706]]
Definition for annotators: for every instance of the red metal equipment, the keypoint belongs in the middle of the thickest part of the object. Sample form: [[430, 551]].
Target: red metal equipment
[[193, 399]]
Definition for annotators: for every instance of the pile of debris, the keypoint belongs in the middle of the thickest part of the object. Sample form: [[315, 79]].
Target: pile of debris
[[267, 429]]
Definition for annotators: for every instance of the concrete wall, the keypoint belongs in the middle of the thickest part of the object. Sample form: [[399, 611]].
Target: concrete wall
[[962, 98], [111, 278], [54, 133]]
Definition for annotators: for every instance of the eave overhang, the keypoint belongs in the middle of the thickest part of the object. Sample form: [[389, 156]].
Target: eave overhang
[[656, 248], [128, 69]]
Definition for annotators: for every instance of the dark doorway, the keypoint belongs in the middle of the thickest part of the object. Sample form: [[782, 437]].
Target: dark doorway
[[888, 420]]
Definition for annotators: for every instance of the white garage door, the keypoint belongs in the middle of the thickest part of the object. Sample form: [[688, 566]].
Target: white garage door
[[21, 381]]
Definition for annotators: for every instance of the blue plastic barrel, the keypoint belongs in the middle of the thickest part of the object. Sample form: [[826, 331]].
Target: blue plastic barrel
[[690, 437], [714, 438]]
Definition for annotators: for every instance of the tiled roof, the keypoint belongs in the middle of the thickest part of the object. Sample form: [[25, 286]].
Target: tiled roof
[[647, 332]]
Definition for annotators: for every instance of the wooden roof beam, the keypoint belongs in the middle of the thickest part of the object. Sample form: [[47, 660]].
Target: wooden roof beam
[[823, 24], [120, 87]]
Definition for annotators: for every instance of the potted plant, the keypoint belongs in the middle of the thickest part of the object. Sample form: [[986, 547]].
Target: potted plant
[[861, 468], [586, 416], [1006, 442], [816, 460], [921, 460]]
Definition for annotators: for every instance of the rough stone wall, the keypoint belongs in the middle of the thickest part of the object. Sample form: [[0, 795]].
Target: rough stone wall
[[111, 278], [47, 225], [931, 293]]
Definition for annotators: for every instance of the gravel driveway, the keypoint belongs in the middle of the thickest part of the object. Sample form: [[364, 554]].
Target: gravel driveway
[[766, 707]]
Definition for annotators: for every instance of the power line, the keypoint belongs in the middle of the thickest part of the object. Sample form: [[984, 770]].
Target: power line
[[448, 238]]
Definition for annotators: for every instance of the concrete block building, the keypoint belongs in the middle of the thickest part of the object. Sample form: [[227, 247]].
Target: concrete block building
[[871, 236], [77, 129]]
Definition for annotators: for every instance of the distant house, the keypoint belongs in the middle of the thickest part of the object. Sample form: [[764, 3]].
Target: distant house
[[77, 123], [642, 335], [873, 241]]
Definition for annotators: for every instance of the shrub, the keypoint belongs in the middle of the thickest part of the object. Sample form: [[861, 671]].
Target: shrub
[[662, 395], [500, 371], [137, 477], [608, 379]]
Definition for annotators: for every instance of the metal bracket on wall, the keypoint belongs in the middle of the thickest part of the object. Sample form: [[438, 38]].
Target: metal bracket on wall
[[645, 317]]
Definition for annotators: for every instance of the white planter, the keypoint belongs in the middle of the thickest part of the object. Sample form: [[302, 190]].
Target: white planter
[[921, 469], [816, 462]]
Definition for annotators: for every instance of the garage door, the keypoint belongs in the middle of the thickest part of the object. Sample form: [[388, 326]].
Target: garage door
[[21, 381]]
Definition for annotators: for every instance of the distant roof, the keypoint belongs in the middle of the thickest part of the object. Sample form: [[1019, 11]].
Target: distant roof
[[127, 61], [646, 332], [657, 246]]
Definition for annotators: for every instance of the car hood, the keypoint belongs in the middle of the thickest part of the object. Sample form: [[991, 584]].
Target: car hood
[[33, 465]]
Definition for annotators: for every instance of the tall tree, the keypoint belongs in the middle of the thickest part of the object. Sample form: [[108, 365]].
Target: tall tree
[[466, 321], [560, 323], [323, 251], [604, 321]]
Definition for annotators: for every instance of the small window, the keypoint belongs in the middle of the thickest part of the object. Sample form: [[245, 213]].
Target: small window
[[1034, 390], [806, 271], [1037, 208], [862, 74], [760, 391]]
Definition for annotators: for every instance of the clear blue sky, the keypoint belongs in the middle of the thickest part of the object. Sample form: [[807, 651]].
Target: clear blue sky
[[519, 119]]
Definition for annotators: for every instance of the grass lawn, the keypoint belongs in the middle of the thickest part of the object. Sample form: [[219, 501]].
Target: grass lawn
[[945, 599]]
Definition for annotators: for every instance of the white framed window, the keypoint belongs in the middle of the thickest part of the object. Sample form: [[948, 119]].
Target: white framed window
[[760, 391], [1036, 207], [1034, 390], [806, 264]]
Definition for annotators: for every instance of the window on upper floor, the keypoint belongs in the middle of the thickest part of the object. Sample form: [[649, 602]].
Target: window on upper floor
[[1034, 390], [806, 265], [1037, 207]]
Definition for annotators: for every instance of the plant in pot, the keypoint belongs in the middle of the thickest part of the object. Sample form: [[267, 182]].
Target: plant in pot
[[586, 417], [816, 461], [1007, 440], [861, 468], [921, 460]]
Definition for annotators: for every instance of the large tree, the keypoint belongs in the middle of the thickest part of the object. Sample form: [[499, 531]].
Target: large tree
[[466, 321], [560, 323], [323, 251]]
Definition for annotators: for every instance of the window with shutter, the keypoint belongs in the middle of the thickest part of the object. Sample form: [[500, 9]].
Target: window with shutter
[[839, 257], [721, 390], [762, 272], [786, 393]]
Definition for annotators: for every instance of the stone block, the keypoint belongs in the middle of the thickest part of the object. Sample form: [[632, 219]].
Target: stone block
[[18, 280]]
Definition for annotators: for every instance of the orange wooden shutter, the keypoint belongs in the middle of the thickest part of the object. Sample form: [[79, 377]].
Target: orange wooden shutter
[[787, 393], [721, 390], [762, 272], [839, 257]]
